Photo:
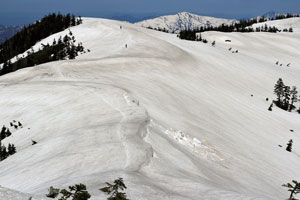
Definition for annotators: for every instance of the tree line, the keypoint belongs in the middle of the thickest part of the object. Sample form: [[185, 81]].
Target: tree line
[[284, 16], [35, 32], [158, 29], [243, 26], [63, 48]]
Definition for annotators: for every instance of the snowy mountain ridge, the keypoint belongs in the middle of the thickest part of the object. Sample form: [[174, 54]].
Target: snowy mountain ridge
[[183, 21], [176, 119]]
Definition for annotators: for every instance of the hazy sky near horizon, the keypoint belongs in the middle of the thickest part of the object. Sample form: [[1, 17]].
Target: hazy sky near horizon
[[27, 11]]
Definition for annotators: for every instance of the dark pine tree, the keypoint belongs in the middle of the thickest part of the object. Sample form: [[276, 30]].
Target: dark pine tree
[[286, 97], [294, 97], [113, 190], [279, 91], [294, 189], [11, 149], [3, 133], [3, 152], [8, 133]]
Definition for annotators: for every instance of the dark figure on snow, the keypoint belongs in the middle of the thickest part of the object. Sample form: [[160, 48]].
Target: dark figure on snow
[[125, 45]]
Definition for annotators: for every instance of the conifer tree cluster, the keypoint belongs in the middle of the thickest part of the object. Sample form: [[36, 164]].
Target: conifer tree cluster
[[286, 96], [288, 30], [79, 191], [193, 35], [11, 149], [16, 124], [63, 48], [76, 192], [266, 28], [35, 32], [285, 16], [158, 29]]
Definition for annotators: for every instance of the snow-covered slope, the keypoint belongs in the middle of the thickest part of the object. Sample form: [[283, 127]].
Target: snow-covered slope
[[282, 24], [174, 118], [183, 21], [7, 194]]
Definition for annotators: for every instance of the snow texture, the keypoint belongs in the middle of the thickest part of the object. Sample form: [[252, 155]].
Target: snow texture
[[176, 119]]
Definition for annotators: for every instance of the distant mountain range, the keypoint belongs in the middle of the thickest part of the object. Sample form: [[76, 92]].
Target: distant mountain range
[[8, 31], [183, 21], [270, 14]]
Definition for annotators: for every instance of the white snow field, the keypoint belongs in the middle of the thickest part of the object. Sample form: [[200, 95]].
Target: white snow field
[[282, 24], [183, 21], [174, 118]]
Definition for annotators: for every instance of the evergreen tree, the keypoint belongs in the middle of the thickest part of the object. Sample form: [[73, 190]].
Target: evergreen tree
[[294, 97], [289, 146], [3, 133], [67, 20], [53, 192], [73, 21], [213, 43], [113, 190], [11, 149], [200, 37], [79, 20], [77, 192], [286, 97], [279, 91], [59, 40], [270, 107], [72, 53], [3, 152], [294, 189], [8, 133]]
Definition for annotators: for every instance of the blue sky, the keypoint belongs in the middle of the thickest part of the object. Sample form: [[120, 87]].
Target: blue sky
[[14, 12]]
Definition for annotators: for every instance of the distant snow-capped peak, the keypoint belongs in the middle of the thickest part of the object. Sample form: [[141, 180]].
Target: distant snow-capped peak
[[183, 21], [270, 15]]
